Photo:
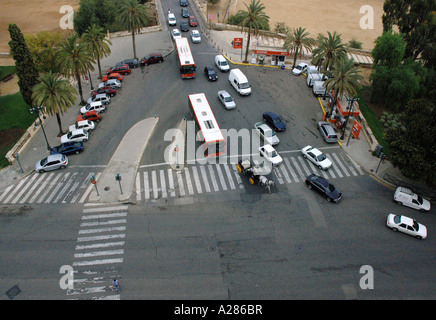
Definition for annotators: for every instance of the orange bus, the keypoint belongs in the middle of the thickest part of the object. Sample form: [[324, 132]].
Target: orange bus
[[186, 60]]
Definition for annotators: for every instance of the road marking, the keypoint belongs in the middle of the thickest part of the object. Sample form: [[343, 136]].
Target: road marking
[[146, 186], [163, 184], [154, 186], [180, 182], [16, 189], [212, 177], [221, 176], [197, 180], [188, 181], [138, 186], [229, 176], [205, 180], [106, 215], [88, 190], [99, 253], [288, 165], [100, 230], [102, 223], [98, 238], [99, 245], [24, 189], [97, 262], [171, 183]]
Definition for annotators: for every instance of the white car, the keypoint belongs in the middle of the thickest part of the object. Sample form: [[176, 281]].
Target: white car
[[406, 225], [266, 133], [317, 157], [86, 125], [226, 100], [172, 19], [300, 68], [405, 196], [93, 106], [269, 153], [195, 36], [175, 33], [76, 135], [112, 83]]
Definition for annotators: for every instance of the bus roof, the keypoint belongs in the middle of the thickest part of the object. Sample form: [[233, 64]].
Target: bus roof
[[205, 118], [184, 51]]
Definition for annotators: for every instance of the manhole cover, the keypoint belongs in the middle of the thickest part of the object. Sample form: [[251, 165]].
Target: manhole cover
[[107, 188], [13, 292], [212, 249]]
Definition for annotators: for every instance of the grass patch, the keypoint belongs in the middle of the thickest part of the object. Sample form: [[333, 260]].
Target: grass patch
[[4, 71], [372, 120]]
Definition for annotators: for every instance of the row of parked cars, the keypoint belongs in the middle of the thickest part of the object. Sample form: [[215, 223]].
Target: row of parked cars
[[90, 114]]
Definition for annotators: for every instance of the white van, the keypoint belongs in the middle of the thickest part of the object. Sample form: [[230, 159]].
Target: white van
[[405, 196], [239, 81], [172, 19], [312, 77], [222, 63], [318, 89]]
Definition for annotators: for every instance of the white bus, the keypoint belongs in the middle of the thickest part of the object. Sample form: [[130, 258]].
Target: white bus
[[186, 60]]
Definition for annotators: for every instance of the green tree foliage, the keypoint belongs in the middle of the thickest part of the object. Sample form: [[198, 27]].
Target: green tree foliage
[[42, 47], [26, 69], [55, 94], [296, 40], [329, 51], [102, 13], [98, 44], [413, 142], [389, 49], [416, 20]]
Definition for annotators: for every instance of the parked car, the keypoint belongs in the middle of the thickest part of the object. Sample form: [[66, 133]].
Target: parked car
[[210, 73], [111, 92], [406, 225], [85, 125], [132, 63], [175, 33], [323, 187], [300, 68], [266, 133], [52, 162], [76, 135], [68, 148], [115, 75], [317, 157], [102, 97], [112, 83], [122, 69], [152, 58], [192, 21], [269, 153], [172, 21], [195, 36], [226, 100], [328, 133], [93, 106], [90, 115], [184, 26], [185, 13], [274, 121], [222, 63], [405, 196], [184, 3]]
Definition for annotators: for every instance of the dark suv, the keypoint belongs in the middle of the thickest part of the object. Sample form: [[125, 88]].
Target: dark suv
[[121, 69], [184, 26], [185, 13], [210, 73], [184, 3], [152, 58]]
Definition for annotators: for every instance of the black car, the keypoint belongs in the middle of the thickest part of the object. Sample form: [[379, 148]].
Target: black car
[[132, 63], [210, 73], [185, 13], [323, 187], [68, 148], [274, 121], [184, 3], [184, 26]]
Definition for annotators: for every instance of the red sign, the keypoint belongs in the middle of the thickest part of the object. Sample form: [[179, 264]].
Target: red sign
[[269, 53], [93, 181], [355, 130], [237, 43]]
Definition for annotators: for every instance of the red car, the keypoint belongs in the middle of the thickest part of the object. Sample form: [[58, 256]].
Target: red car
[[122, 69], [192, 21], [114, 75], [108, 90], [90, 115]]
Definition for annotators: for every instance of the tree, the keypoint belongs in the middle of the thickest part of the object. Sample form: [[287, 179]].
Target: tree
[[26, 69], [296, 40], [254, 19], [55, 94], [102, 13], [75, 60], [42, 47], [98, 44], [416, 19], [413, 142], [345, 80], [389, 49], [133, 16], [329, 51]]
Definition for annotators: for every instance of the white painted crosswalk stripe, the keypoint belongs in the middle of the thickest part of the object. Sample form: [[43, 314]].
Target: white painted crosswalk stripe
[[197, 180], [205, 180]]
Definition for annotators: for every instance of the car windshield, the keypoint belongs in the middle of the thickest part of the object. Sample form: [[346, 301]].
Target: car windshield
[[397, 219], [69, 135], [321, 157], [331, 188], [274, 154], [244, 85], [228, 99], [277, 120], [43, 162], [415, 225], [223, 63], [419, 199], [299, 67], [211, 72]]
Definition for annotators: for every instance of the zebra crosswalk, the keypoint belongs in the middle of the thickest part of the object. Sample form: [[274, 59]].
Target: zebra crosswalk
[[99, 252], [155, 182]]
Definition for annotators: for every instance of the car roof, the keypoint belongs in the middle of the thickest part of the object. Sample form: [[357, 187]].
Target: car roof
[[195, 31], [55, 156], [224, 93], [272, 114], [263, 126], [268, 147], [176, 30], [77, 131], [321, 180]]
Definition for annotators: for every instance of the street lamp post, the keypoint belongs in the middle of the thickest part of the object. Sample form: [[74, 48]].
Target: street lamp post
[[37, 110], [351, 102]]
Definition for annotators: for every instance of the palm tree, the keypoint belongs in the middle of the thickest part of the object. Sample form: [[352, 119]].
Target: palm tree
[[55, 94], [75, 60], [329, 51], [95, 38], [296, 40], [255, 19], [345, 80], [133, 16]]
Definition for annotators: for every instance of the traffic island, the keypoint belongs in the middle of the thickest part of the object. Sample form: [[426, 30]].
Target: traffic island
[[116, 182]]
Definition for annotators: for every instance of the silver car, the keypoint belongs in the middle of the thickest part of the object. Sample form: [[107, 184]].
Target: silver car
[[195, 36], [226, 99], [52, 162], [328, 133]]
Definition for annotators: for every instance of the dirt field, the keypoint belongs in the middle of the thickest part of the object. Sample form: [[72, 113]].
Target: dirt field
[[317, 16]]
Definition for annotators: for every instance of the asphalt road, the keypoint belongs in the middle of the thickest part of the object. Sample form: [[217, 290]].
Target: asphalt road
[[234, 244]]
